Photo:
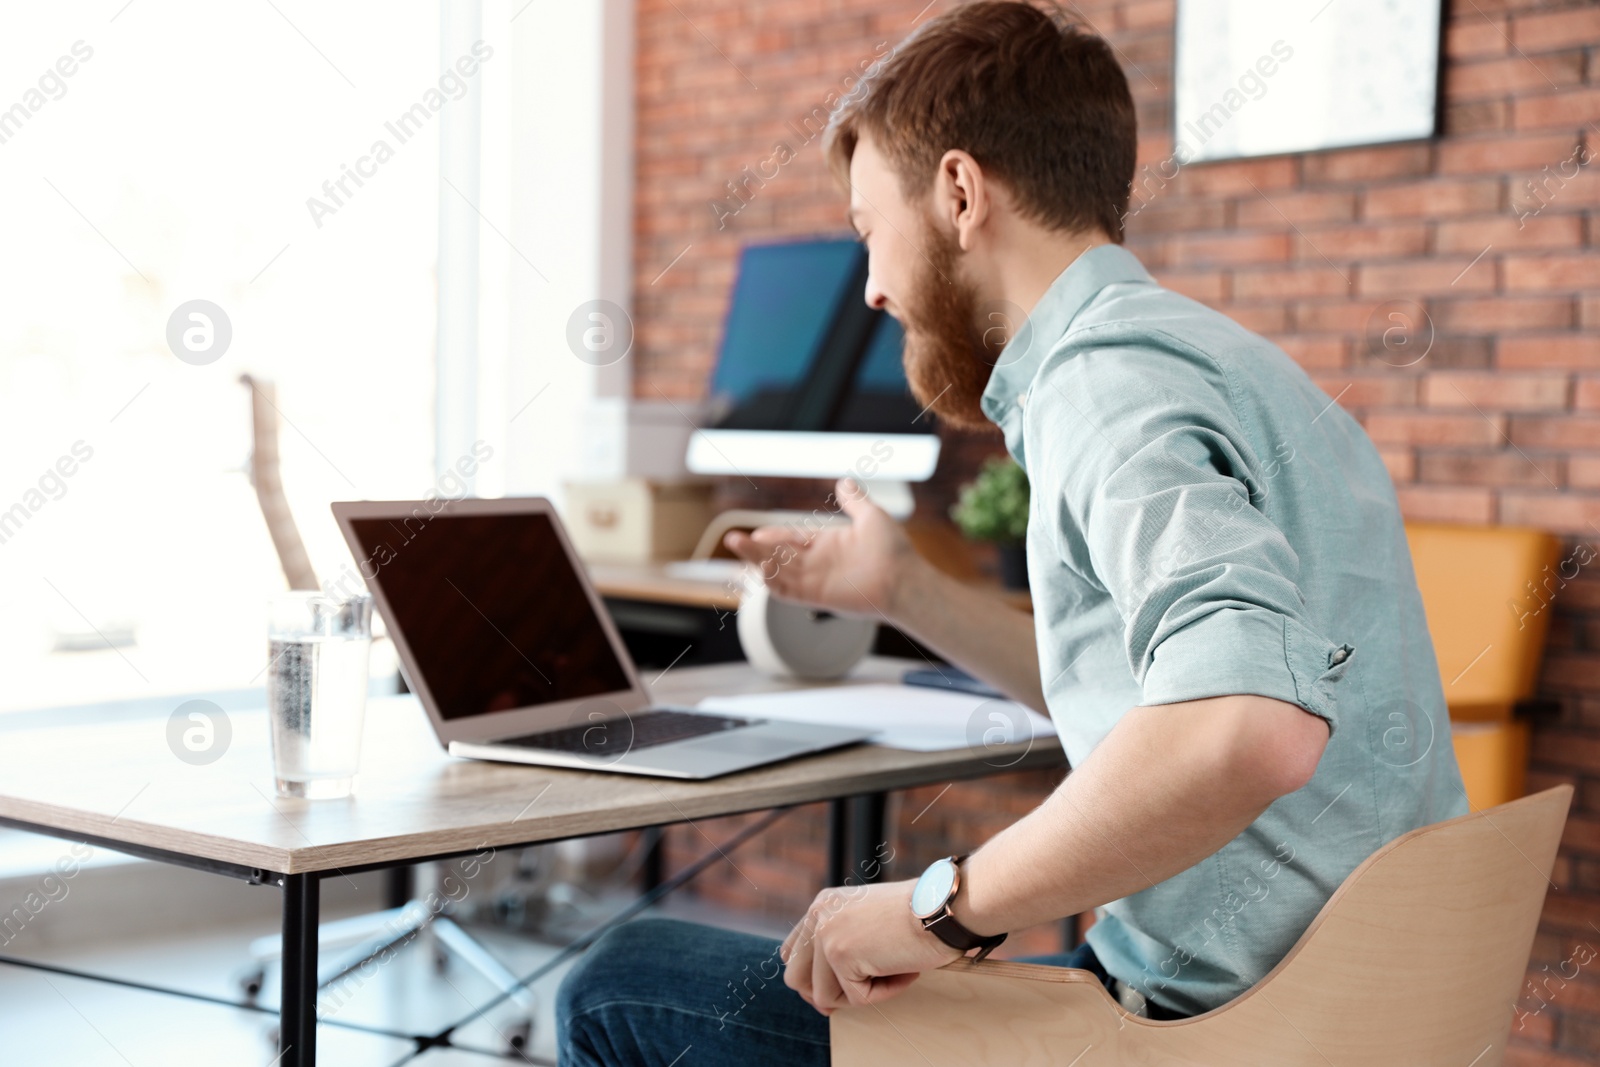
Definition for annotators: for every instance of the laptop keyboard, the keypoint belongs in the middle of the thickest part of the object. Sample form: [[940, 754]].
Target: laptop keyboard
[[642, 729]]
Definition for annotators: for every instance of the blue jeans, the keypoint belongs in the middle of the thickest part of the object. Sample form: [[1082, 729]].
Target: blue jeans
[[651, 990]]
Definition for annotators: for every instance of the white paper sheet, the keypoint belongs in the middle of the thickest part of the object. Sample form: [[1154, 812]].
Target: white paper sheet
[[911, 717]]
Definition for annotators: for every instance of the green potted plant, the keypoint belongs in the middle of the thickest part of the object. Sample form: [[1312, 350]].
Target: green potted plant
[[994, 508]]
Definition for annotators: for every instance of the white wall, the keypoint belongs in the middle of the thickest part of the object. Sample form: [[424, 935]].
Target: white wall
[[571, 219]]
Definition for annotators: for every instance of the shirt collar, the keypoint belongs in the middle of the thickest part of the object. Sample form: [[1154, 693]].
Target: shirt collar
[[1019, 361]]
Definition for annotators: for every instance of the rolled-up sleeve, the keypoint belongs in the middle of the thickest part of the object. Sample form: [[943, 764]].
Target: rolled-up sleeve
[[1160, 496]]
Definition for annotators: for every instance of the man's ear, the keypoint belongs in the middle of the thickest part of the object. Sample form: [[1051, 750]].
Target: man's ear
[[961, 195]]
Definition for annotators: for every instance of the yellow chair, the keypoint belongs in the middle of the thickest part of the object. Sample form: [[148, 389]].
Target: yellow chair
[[1487, 592], [1417, 960]]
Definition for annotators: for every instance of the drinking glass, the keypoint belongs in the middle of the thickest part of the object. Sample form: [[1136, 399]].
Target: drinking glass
[[318, 649]]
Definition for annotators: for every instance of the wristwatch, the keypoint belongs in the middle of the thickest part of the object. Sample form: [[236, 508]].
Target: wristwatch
[[930, 902]]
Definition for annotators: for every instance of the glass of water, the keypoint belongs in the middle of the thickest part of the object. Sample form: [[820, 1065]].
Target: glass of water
[[318, 648]]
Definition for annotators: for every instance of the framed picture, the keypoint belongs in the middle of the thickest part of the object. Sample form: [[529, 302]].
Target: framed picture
[[1265, 77]]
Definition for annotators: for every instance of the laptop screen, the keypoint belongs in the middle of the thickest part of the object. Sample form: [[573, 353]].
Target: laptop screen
[[491, 609]]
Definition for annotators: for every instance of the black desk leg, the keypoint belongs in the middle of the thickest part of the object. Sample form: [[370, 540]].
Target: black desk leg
[[399, 886], [297, 1013], [653, 871], [868, 843], [838, 840]]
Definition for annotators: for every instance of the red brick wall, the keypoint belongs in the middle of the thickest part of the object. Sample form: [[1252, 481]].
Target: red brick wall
[[1482, 242]]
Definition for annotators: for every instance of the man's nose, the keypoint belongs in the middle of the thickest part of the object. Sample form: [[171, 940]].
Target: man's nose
[[875, 297]]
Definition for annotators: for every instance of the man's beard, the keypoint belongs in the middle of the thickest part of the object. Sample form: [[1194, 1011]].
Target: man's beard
[[946, 358]]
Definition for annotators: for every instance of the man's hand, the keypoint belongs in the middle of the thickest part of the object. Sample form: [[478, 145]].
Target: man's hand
[[868, 567], [857, 568], [859, 945]]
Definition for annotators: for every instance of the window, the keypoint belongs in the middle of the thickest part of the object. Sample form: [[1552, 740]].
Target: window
[[279, 161]]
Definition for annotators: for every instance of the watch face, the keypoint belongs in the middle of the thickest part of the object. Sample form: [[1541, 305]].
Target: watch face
[[933, 889]]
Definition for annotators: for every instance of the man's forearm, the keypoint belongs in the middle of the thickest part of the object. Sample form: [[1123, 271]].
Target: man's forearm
[[1169, 786], [972, 629]]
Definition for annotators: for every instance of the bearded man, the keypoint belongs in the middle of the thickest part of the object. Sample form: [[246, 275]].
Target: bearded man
[[1226, 628]]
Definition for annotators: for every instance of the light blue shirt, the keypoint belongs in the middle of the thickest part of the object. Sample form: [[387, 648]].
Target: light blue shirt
[[1205, 521]]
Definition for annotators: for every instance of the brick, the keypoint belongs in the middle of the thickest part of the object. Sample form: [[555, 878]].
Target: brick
[[1569, 183], [1586, 394], [1351, 317], [1544, 273], [1402, 463], [1555, 431], [1476, 116], [1260, 319], [1567, 747], [1508, 233], [1152, 54], [1344, 243], [1295, 208], [1420, 503], [1503, 467], [1290, 282], [1427, 428], [1207, 286], [1570, 108], [1154, 146], [1519, 1056], [1368, 164], [1162, 214], [1513, 74], [1495, 391], [1238, 178], [1314, 352], [1442, 352], [1490, 314], [1431, 199], [1556, 29], [1417, 277], [1147, 14], [1496, 155], [1562, 513], [1198, 250], [1476, 35], [1583, 471], [1152, 251], [1354, 391], [1553, 351]]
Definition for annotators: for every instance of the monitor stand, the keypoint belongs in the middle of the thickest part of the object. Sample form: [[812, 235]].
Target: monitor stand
[[893, 497]]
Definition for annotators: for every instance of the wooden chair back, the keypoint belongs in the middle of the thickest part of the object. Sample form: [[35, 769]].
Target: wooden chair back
[[1417, 959]]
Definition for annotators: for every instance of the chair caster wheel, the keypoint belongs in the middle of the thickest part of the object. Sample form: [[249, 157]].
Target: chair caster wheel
[[252, 982], [518, 1037]]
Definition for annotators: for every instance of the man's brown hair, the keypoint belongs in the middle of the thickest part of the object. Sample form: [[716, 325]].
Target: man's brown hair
[[1039, 103]]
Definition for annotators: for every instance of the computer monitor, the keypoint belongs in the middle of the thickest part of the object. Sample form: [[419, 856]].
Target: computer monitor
[[809, 381]]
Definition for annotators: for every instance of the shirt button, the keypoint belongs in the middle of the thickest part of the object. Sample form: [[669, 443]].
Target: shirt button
[[1339, 656], [1022, 400]]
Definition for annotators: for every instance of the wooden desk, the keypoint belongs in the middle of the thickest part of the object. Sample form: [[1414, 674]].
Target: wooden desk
[[652, 581], [667, 617], [120, 786]]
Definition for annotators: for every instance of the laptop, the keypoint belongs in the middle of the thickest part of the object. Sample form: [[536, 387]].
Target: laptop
[[504, 639]]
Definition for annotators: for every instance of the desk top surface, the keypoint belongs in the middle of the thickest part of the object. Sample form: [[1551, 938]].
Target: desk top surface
[[656, 582], [120, 782]]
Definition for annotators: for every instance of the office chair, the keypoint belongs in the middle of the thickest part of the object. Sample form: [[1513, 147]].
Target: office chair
[[1487, 592], [1419, 958], [378, 932]]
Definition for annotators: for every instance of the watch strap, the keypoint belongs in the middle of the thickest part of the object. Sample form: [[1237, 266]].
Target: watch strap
[[947, 928]]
